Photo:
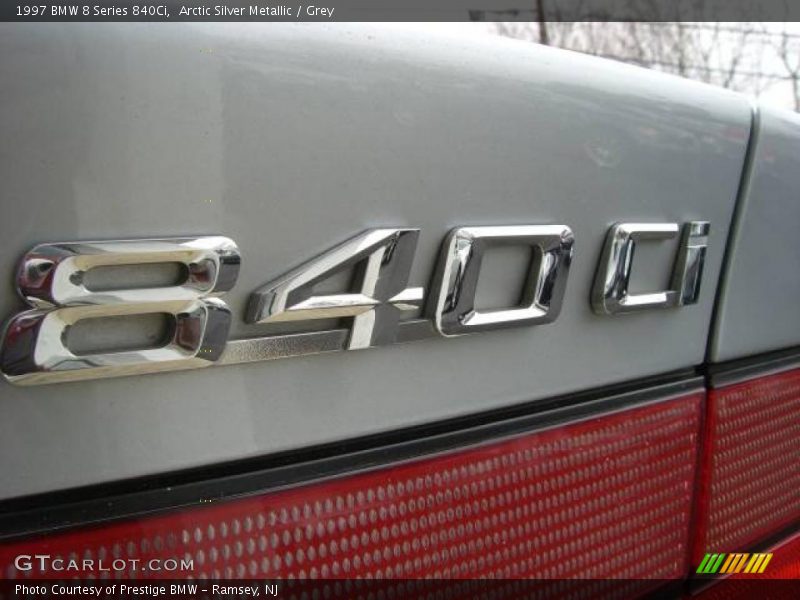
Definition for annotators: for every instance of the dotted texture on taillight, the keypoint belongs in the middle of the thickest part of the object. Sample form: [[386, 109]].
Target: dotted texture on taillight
[[751, 474], [607, 497]]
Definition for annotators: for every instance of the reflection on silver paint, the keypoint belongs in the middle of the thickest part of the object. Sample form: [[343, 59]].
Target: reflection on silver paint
[[51, 276], [610, 293], [316, 342], [459, 267], [382, 258], [284, 346]]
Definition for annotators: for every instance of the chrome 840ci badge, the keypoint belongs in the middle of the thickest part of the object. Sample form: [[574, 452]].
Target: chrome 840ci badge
[[51, 279]]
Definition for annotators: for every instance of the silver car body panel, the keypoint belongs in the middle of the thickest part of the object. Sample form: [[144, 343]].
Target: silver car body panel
[[760, 294], [290, 139]]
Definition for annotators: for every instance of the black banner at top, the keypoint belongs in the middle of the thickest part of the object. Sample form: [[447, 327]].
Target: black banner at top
[[399, 10]]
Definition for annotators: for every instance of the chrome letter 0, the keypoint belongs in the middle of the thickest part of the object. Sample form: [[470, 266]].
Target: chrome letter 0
[[459, 268]]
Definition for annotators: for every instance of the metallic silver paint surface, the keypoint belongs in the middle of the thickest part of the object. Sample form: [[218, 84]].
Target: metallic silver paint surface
[[291, 138], [760, 299]]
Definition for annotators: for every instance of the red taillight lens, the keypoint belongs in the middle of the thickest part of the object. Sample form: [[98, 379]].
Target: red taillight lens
[[608, 497], [751, 463]]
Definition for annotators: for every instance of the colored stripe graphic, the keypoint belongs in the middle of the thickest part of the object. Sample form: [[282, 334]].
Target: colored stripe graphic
[[752, 566], [702, 567], [739, 563], [717, 563], [733, 563], [727, 564], [710, 563], [767, 558]]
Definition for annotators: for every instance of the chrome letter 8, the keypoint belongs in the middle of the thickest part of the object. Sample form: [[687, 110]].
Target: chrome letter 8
[[51, 279]]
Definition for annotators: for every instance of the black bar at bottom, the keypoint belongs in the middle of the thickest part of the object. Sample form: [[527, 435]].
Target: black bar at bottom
[[405, 589]]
